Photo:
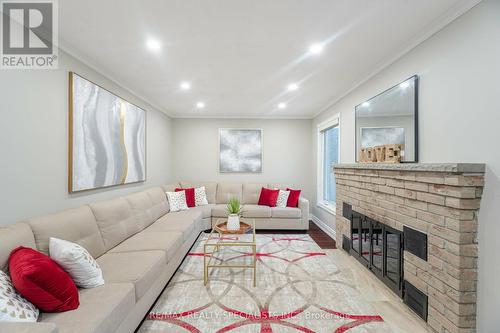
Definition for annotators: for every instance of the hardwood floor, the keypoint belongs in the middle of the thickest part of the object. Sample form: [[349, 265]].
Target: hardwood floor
[[320, 237]]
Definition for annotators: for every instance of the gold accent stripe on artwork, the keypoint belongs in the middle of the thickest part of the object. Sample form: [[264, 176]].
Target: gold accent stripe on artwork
[[122, 141]]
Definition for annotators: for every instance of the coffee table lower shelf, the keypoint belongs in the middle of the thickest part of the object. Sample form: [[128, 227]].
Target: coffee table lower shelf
[[216, 243]]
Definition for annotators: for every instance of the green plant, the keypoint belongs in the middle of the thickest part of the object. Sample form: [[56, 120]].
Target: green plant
[[234, 206]]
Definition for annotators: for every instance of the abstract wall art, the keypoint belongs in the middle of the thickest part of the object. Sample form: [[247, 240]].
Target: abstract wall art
[[240, 150], [107, 138]]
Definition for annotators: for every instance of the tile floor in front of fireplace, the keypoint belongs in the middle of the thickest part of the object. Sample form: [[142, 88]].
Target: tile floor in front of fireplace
[[342, 286]]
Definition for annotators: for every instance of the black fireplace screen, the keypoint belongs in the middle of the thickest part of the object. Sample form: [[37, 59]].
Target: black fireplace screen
[[379, 248]]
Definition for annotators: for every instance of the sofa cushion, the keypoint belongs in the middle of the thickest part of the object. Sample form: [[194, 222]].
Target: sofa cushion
[[251, 193], [256, 211], [76, 225], [37, 327], [228, 191], [286, 212], [268, 197], [115, 221], [206, 211], [77, 262], [282, 198], [102, 310], [186, 226], [280, 186], [210, 189], [177, 201], [191, 214], [42, 281], [140, 268], [169, 242], [170, 187], [11, 237], [219, 210], [142, 207], [159, 200], [189, 192], [293, 198], [13, 306]]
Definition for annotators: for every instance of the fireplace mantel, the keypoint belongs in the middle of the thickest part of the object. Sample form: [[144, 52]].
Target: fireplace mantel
[[440, 200], [425, 167]]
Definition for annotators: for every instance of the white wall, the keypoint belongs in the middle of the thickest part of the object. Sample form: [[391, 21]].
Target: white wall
[[34, 142], [459, 121], [286, 152]]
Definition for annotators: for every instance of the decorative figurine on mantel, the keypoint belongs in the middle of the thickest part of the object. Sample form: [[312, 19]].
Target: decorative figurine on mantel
[[381, 154]]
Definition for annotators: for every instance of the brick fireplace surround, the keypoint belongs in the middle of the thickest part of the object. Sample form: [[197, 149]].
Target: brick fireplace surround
[[440, 200]]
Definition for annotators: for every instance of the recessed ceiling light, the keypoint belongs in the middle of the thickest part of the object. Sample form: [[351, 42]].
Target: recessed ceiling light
[[316, 48], [185, 85], [282, 105], [200, 105], [405, 85], [365, 104], [153, 44], [293, 87]]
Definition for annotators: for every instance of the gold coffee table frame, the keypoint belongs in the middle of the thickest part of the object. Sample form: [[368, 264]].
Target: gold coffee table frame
[[215, 243]]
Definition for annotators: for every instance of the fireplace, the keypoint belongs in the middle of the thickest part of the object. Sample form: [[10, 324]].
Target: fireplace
[[415, 227], [379, 248]]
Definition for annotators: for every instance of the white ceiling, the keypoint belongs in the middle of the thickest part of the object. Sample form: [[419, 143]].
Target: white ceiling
[[239, 55]]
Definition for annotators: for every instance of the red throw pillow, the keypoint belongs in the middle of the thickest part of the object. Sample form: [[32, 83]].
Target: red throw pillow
[[190, 201], [293, 198], [268, 197], [42, 281]]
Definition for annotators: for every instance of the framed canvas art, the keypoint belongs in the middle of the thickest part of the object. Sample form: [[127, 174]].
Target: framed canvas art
[[107, 138], [240, 150]]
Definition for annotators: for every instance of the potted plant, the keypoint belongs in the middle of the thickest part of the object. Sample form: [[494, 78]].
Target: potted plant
[[234, 210]]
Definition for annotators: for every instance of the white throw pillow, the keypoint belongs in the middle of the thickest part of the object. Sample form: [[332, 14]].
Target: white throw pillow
[[14, 307], [200, 196], [77, 262], [282, 198], [177, 201]]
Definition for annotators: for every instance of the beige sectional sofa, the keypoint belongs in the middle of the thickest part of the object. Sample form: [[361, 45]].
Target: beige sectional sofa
[[138, 244]]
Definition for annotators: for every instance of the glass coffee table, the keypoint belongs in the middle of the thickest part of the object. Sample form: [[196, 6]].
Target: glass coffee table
[[220, 237]]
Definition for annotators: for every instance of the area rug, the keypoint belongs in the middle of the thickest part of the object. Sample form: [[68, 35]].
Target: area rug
[[299, 289]]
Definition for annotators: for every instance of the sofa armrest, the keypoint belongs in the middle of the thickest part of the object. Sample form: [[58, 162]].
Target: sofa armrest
[[28, 327], [304, 207]]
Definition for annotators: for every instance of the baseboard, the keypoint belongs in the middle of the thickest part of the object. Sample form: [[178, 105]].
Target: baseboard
[[323, 226]]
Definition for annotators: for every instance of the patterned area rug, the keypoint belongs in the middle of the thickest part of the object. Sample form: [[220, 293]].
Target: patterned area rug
[[299, 289]]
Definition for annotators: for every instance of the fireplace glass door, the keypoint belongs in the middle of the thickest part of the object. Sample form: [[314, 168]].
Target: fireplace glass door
[[365, 239], [356, 232], [393, 258], [379, 248]]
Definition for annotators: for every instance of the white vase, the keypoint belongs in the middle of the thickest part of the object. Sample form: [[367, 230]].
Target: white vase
[[233, 222]]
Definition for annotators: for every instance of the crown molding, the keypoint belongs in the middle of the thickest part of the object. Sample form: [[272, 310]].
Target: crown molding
[[251, 117], [450, 16], [67, 48]]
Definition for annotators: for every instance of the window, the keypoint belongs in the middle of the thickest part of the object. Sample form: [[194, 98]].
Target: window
[[328, 155]]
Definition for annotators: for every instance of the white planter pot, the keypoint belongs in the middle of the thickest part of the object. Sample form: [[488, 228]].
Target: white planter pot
[[233, 222]]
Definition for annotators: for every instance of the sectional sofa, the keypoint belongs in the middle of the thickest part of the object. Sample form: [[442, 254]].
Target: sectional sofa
[[138, 244]]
